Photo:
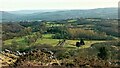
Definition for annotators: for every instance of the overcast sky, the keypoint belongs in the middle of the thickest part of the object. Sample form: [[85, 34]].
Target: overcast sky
[[11, 5]]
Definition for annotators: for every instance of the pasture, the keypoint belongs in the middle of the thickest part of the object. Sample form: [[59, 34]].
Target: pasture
[[46, 39]]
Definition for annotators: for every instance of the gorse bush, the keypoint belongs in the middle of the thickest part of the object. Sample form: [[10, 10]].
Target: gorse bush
[[103, 53]]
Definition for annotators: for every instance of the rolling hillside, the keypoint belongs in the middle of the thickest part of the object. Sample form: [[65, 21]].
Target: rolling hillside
[[111, 13]]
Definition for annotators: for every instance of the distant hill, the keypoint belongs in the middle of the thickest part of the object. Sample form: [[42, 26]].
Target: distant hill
[[22, 12], [5, 16], [111, 13]]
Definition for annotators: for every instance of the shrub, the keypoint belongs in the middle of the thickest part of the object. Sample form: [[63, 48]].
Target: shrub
[[77, 44], [102, 53]]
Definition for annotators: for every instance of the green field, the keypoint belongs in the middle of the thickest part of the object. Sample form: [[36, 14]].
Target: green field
[[44, 42], [46, 39], [53, 25]]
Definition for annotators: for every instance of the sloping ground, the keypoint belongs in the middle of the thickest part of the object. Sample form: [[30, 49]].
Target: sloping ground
[[88, 43], [45, 56], [36, 58], [6, 59], [43, 59]]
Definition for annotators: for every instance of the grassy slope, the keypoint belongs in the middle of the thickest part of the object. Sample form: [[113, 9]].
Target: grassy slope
[[71, 43], [47, 40]]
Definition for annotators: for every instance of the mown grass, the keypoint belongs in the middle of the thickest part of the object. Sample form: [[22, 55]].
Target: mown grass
[[21, 39], [52, 42], [53, 25], [72, 21], [88, 43], [47, 36], [46, 39], [9, 42]]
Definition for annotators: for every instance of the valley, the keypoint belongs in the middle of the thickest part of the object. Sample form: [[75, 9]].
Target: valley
[[73, 42]]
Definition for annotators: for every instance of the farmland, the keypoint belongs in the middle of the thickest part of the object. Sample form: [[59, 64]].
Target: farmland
[[47, 40]]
